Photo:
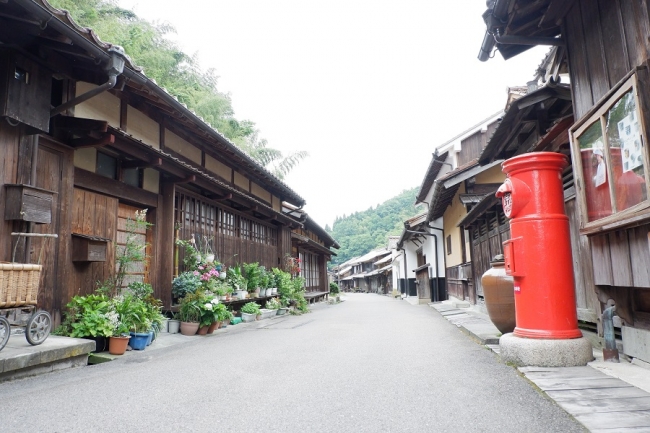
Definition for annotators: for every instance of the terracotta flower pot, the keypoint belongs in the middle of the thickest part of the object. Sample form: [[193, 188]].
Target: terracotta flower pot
[[189, 328], [498, 289], [117, 345], [203, 329], [212, 327]]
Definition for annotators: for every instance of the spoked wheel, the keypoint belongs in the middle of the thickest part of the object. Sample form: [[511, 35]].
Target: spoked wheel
[[38, 328], [5, 331]]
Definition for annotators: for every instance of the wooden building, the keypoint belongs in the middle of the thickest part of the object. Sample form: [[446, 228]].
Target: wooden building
[[454, 181], [606, 49], [87, 139], [534, 118]]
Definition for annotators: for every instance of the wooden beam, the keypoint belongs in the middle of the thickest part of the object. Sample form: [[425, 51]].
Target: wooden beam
[[114, 188], [188, 179], [219, 197], [105, 140], [67, 123], [154, 162]]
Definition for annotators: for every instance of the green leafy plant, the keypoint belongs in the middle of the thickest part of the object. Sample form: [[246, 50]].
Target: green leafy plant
[[222, 312], [140, 290], [251, 308], [208, 306], [189, 309], [134, 312], [87, 316], [284, 285], [192, 256], [266, 278], [222, 288], [273, 304], [252, 274], [235, 278], [184, 284], [334, 288]]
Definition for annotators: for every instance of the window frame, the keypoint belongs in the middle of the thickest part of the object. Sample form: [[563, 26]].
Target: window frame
[[598, 113]]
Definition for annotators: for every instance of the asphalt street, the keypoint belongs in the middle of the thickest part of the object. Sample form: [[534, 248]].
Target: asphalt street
[[369, 364]]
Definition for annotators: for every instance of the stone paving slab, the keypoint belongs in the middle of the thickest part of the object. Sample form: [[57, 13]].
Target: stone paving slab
[[621, 430], [622, 420], [557, 372], [563, 383], [595, 399], [626, 391], [601, 402], [581, 406]]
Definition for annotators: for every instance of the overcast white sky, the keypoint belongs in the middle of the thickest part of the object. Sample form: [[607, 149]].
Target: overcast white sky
[[368, 87]]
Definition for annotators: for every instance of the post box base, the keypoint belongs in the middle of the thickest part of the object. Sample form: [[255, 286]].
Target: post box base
[[545, 353]]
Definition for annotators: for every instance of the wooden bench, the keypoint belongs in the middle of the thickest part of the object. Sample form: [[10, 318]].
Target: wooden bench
[[313, 297]]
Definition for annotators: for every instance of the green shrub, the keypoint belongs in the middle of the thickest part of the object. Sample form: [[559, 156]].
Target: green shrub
[[251, 308], [184, 284]]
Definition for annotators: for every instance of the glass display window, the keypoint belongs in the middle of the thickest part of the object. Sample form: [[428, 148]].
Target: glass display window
[[610, 158]]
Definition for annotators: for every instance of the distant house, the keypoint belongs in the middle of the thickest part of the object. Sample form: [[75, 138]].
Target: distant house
[[436, 250]]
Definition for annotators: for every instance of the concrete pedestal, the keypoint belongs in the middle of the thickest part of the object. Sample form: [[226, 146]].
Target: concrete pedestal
[[545, 353]]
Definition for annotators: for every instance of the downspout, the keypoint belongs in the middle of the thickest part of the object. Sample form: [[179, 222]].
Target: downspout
[[113, 68], [610, 352], [406, 276], [435, 239]]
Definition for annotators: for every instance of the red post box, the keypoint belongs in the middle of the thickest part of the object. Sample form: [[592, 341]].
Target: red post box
[[538, 254]]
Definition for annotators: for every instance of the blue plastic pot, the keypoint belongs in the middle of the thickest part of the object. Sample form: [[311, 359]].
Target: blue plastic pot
[[138, 340], [150, 339]]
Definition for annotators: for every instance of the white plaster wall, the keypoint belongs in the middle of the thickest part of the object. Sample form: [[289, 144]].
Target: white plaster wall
[[429, 249]]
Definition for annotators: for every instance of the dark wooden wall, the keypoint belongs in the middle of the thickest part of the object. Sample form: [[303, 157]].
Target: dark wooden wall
[[487, 235], [472, 146], [605, 40], [224, 228], [93, 214], [9, 147]]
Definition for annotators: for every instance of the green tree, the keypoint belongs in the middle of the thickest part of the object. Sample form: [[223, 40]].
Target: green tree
[[180, 74], [361, 232]]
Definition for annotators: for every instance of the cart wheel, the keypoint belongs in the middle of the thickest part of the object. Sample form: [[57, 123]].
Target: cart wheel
[[5, 331], [38, 328]]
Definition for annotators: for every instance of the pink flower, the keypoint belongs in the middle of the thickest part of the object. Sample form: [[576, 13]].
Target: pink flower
[[201, 268], [196, 273]]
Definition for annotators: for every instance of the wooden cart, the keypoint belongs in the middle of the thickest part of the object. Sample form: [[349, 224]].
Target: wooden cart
[[19, 284]]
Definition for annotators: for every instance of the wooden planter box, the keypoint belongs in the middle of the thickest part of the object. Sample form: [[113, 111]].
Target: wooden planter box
[[88, 248], [28, 203]]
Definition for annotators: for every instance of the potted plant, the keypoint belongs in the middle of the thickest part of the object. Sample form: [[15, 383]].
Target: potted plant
[[250, 311], [252, 273], [187, 282], [208, 314], [119, 340], [86, 318], [222, 290], [136, 314], [174, 325], [223, 315], [189, 313], [265, 279], [237, 281]]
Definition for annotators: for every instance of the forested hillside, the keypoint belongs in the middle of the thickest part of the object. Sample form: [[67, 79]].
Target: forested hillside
[[364, 231]]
